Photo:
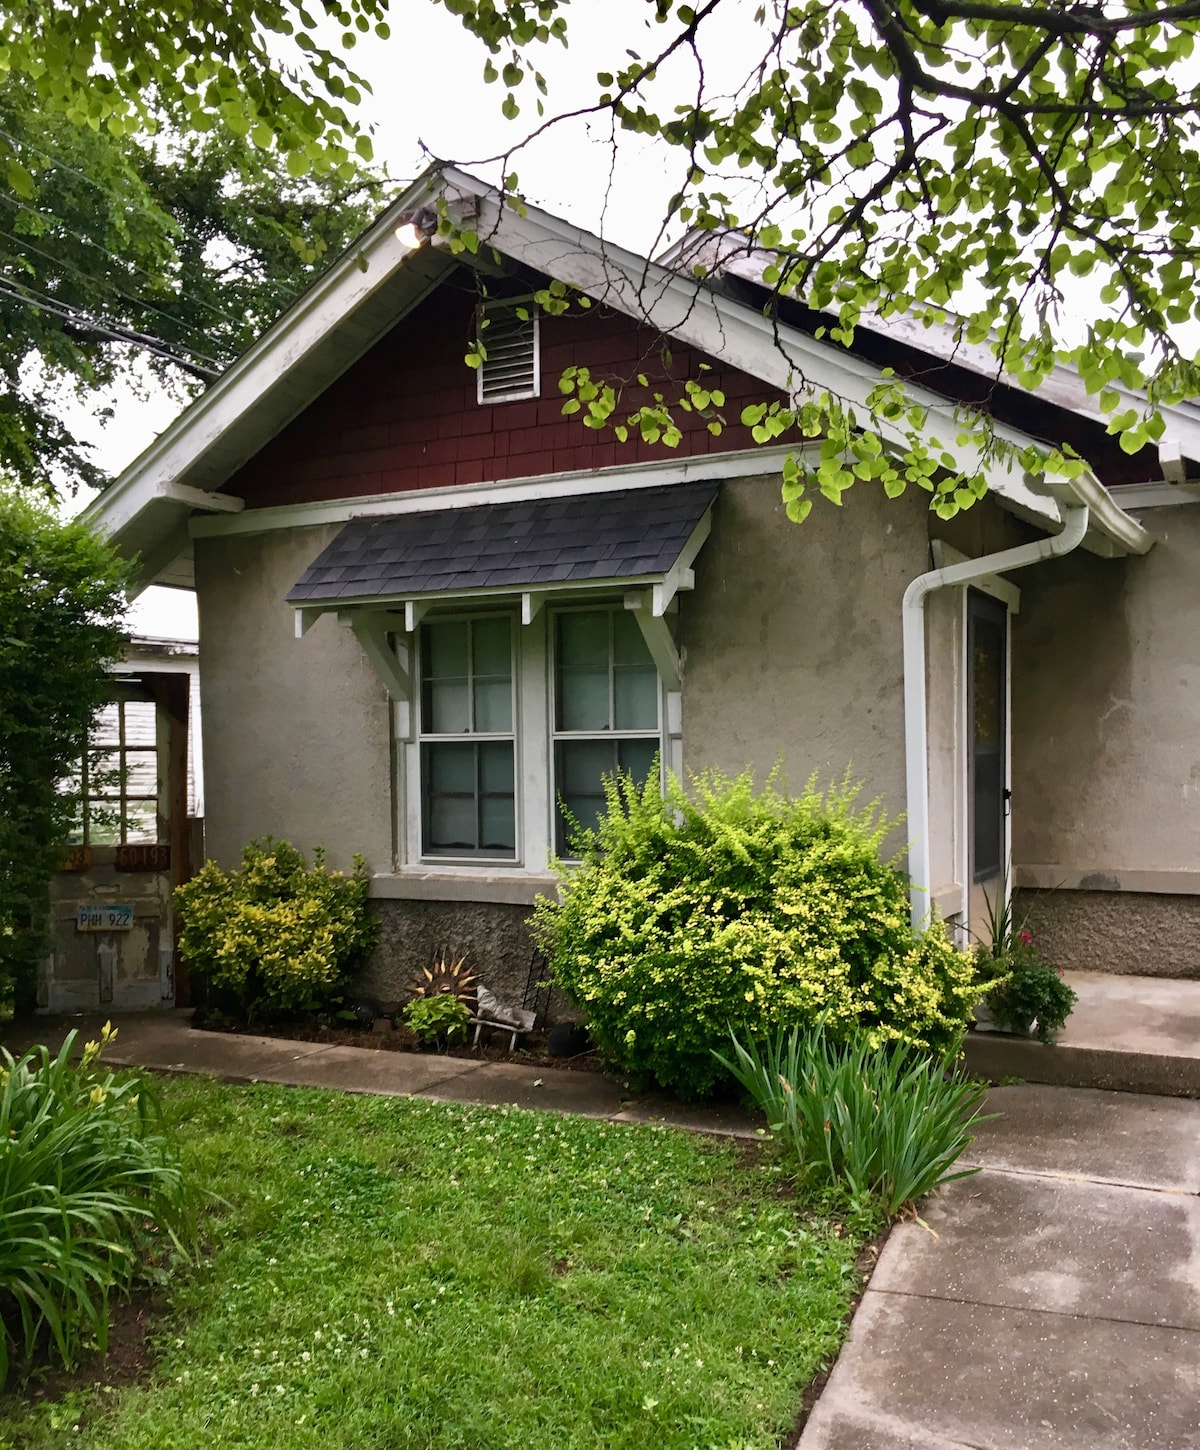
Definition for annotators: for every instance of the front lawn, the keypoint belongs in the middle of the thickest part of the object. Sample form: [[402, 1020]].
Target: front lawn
[[391, 1273]]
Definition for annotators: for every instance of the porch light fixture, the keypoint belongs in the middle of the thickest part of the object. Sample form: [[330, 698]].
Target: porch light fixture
[[416, 228]]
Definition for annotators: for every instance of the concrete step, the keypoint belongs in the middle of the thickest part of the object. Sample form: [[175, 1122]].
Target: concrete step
[[1132, 1034]]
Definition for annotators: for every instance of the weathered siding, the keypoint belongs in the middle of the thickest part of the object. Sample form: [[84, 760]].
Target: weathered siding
[[405, 416]]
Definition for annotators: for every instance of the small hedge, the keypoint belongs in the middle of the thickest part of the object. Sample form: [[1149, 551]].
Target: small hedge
[[694, 913], [278, 935]]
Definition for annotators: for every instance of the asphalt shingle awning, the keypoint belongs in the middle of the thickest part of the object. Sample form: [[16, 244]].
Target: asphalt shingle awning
[[584, 539]]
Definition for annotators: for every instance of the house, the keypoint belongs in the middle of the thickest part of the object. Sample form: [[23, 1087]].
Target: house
[[433, 608]]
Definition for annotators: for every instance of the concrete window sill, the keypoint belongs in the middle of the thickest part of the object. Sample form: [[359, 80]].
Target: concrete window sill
[[505, 888]]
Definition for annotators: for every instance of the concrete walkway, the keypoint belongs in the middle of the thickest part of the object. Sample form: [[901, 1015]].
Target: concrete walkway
[[167, 1042], [1058, 1305], [1054, 1306]]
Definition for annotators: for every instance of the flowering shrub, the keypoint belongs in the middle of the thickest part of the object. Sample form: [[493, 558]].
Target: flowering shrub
[[278, 935], [692, 914]]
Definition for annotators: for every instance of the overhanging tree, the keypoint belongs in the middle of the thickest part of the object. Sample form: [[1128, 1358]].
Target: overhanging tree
[[173, 251], [62, 611], [891, 156]]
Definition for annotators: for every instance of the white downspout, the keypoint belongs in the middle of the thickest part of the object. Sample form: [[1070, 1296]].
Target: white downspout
[[916, 736]]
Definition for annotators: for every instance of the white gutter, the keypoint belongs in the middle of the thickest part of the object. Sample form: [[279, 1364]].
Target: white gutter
[[916, 735]]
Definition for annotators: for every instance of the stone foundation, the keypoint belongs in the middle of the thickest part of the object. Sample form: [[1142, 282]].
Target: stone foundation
[[1131, 932], [494, 937]]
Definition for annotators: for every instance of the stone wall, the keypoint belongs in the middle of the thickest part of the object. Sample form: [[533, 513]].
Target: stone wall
[[495, 938]]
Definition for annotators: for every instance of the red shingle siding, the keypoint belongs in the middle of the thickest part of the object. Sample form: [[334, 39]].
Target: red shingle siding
[[405, 416]]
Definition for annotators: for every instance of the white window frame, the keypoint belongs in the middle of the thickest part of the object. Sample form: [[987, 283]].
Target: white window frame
[[536, 799], [657, 734], [421, 738]]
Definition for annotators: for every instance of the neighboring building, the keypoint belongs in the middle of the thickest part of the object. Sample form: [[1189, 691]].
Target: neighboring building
[[140, 835], [431, 606]]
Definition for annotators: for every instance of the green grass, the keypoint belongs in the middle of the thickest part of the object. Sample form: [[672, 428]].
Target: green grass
[[393, 1273]]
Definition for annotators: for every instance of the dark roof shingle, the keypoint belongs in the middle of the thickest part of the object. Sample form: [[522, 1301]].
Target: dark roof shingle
[[625, 534]]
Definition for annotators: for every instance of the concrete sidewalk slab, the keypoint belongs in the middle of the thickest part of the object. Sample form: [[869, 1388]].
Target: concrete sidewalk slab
[[359, 1070], [1052, 1244], [936, 1373], [504, 1084], [727, 1120], [1131, 1138]]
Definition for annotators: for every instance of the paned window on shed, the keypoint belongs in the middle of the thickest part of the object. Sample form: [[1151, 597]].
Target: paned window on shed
[[119, 782], [511, 366]]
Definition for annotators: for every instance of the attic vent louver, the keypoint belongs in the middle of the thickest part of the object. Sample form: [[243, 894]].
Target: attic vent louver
[[511, 369]]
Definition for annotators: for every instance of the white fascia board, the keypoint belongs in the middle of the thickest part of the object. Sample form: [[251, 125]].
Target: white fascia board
[[1159, 495], [314, 314], [746, 463], [413, 608]]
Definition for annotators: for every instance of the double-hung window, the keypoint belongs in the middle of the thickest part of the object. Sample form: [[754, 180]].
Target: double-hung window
[[557, 704], [607, 714], [468, 741]]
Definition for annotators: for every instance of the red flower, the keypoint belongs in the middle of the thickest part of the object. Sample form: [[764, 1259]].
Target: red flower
[[1026, 938]]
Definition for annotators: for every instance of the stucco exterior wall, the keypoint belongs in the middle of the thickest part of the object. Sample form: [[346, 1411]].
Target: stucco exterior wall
[[793, 638], [296, 731], [1106, 708], [1106, 752]]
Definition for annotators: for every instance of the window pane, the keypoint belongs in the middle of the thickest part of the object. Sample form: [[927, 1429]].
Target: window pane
[[583, 640], [493, 705], [446, 649], [629, 647], [450, 814], [141, 821], [497, 805], [636, 758], [450, 769], [141, 775], [492, 643], [140, 722], [106, 728], [583, 700], [635, 699], [451, 824], [580, 765], [498, 825], [445, 710], [496, 769]]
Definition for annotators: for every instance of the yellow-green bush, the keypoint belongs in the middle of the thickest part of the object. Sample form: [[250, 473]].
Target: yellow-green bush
[[278, 935], [694, 913]]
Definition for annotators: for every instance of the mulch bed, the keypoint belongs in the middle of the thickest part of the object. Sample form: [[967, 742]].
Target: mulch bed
[[132, 1323], [389, 1036]]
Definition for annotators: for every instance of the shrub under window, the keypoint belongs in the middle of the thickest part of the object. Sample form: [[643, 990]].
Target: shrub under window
[[278, 935], [692, 913]]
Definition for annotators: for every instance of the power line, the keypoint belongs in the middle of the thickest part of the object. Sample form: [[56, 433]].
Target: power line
[[19, 292], [102, 285], [225, 317]]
